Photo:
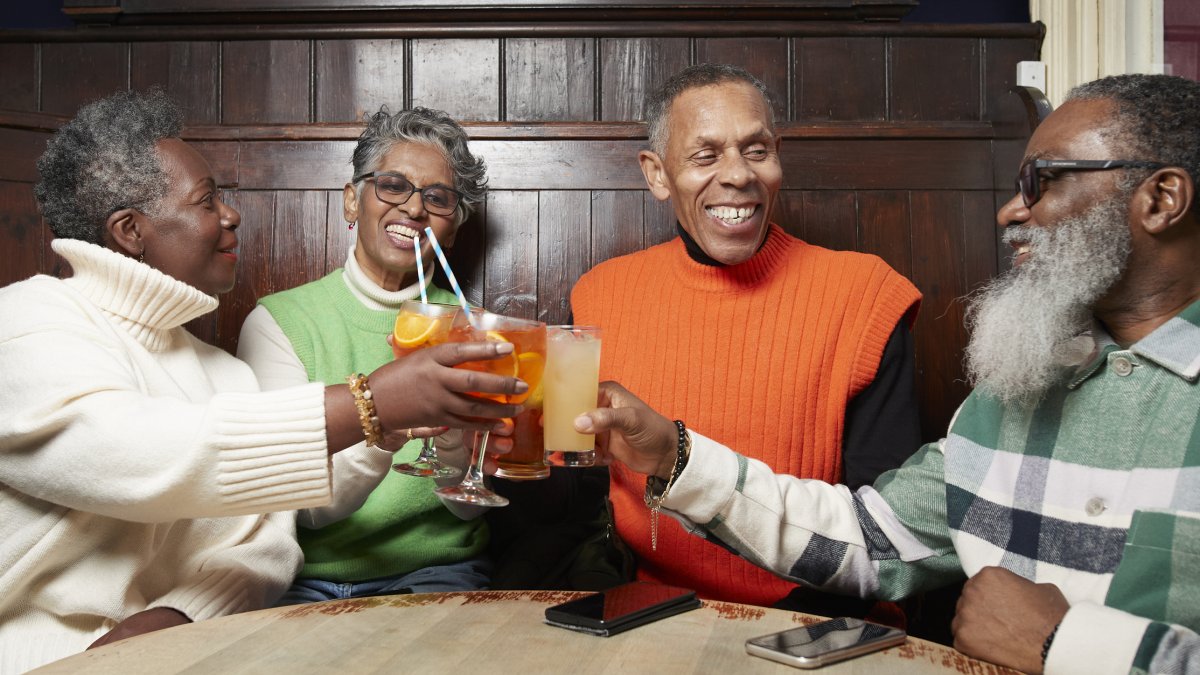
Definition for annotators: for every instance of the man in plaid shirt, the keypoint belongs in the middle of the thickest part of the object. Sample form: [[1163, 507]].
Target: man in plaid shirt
[[1067, 490]]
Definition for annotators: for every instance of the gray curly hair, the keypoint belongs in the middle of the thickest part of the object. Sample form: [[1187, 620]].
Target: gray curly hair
[[104, 160], [1155, 119], [433, 127], [658, 105]]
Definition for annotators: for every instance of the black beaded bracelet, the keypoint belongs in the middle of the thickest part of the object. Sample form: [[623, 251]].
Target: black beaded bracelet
[[682, 450], [1048, 642]]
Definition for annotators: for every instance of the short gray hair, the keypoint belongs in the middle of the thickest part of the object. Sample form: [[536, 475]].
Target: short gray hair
[[658, 106], [433, 127], [1156, 119], [105, 160]]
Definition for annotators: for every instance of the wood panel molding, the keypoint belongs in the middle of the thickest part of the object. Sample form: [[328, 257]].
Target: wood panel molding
[[434, 30]]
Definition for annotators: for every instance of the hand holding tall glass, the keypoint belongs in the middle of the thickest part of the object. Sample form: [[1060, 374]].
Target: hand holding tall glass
[[420, 325], [571, 387], [527, 362]]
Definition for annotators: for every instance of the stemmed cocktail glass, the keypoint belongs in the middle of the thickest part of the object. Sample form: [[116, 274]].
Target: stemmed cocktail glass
[[420, 325]]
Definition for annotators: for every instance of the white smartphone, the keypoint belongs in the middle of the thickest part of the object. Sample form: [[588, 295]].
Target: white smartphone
[[824, 643]]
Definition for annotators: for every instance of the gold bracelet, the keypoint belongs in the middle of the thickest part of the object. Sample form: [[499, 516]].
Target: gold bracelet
[[657, 489], [361, 389]]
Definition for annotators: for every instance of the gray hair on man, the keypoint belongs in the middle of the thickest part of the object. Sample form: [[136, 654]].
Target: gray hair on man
[[658, 105]]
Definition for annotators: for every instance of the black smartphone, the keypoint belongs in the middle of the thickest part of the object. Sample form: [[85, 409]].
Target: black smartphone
[[622, 607], [824, 643]]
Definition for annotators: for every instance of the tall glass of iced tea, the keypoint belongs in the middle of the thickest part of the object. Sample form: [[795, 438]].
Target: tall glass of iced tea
[[527, 362]]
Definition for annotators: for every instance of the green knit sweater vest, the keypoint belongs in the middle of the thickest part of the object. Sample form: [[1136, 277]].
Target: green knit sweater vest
[[402, 527]]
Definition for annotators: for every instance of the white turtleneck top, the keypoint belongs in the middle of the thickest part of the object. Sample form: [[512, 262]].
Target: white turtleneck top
[[130, 453]]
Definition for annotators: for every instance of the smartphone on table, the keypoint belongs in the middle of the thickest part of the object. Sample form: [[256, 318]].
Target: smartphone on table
[[825, 642], [622, 607]]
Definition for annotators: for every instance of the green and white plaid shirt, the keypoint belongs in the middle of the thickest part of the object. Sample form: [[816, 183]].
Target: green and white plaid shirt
[[1096, 489]]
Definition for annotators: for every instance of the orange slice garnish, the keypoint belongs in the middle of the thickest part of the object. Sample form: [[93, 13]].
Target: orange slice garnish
[[413, 330]]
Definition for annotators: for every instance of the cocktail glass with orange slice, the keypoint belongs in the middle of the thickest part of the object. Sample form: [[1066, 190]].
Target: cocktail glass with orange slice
[[420, 325], [527, 362]]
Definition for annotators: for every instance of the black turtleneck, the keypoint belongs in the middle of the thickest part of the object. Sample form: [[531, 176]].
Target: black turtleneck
[[882, 425]]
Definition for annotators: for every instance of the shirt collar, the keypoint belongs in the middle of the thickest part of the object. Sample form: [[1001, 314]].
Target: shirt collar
[[1175, 346]]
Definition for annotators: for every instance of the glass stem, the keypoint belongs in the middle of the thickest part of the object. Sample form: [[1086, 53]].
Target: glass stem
[[425, 445], [475, 471]]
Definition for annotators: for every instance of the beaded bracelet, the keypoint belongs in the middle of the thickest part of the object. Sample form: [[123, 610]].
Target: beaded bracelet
[[657, 489], [1048, 642], [361, 389]]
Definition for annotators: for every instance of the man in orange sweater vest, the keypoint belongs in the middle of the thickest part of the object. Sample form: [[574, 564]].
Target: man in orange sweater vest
[[769, 345]]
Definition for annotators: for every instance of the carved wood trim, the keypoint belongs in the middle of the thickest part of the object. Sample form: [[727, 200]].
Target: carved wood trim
[[598, 29]]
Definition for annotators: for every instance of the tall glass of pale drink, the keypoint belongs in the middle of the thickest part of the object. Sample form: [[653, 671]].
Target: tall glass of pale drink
[[571, 383]]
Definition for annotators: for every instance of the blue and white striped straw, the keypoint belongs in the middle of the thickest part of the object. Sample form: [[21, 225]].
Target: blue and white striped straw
[[420, 269], [437, 249]]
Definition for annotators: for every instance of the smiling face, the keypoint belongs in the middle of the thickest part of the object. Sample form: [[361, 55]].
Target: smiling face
[[190, 236], [385, 247], [721, 168], [1077, 130]]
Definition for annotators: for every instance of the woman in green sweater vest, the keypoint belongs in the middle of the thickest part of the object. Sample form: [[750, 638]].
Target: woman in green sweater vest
[[385, 532]]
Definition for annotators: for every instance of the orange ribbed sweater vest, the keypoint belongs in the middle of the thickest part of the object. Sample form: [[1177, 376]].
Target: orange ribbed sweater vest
[[762, 357]]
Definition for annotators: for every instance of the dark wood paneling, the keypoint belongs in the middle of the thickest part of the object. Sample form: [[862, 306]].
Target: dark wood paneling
[[21, 234], [19, 77], [461, 77], [255, 276], [298, 238], [290, 165], [189, 72], [19, 151], [547, 79], [511, 281], [765, 58], [789, 212], [885, 164], [265, 81], [830, 219], [934, 79], [357, 76], [631, 68], [74, 74], [617, 226], [939, 271], [468, 257], [825, 64], [338, 235], [884, 228], [979, 238], [564, 250], [1000, 104]]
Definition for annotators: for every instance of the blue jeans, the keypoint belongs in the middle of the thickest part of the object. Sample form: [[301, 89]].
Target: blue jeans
[[469, 575]]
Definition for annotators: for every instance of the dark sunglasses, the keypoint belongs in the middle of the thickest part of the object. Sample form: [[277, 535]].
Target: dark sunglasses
[[1029, 184], [394, 188]]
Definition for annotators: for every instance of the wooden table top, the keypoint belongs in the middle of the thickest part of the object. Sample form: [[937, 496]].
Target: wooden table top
[[484, 632]]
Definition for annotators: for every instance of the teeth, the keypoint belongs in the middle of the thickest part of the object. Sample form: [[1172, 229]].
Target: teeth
[[406, 232], [1023, 248], [731, 215]]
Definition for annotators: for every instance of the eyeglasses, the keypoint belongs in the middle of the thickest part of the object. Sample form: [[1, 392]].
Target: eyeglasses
[[394, 188], [1029, 184]]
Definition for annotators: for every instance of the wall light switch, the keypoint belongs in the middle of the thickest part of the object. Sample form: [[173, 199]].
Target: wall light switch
[[1031, 74]]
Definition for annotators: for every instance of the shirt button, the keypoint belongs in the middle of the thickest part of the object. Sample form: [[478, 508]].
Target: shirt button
[[1122, 366], [1095, 506]]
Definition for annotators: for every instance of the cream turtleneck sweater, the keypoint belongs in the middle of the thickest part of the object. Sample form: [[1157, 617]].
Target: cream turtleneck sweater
[[130, 453]]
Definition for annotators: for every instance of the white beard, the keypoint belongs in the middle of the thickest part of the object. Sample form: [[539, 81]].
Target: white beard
[[1022, 321]]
